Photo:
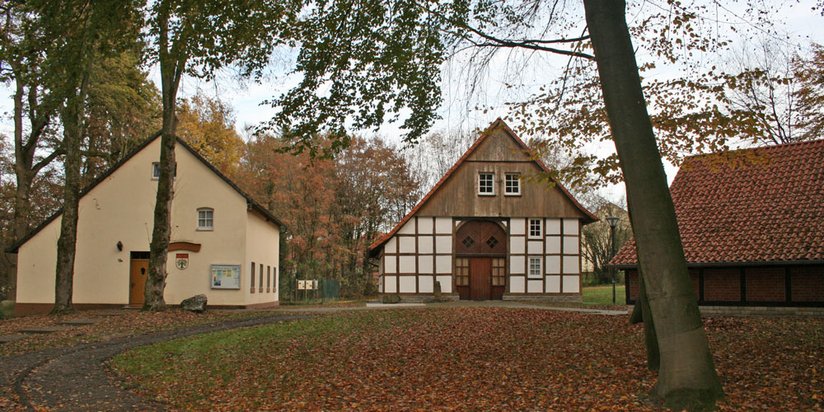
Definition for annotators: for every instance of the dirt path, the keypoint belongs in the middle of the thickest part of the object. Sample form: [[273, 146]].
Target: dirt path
[[75, 379]]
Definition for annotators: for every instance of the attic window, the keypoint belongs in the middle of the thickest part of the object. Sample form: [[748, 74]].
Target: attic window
[[512, 184], [156, 170], [206, 219], [486, 183]]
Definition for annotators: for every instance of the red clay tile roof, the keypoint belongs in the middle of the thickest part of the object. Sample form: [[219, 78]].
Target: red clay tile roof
[[749, 206], [486, 133]]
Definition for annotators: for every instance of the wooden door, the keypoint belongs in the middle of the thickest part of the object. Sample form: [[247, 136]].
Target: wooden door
[[480, 278], [138, 271]]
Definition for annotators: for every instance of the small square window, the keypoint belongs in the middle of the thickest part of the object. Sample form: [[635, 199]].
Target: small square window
[[512, 184], [486, 183], [156, 170], [534, 227], [205, 219], [534, 267]]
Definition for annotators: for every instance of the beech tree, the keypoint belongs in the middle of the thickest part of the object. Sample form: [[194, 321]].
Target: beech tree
[[810, 95], [122, 109], [374, 190], [199, 38], [81, 31], [22, 63], [597, 237], [207, 124]]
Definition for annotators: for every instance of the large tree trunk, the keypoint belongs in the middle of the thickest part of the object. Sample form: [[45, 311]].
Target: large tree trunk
[[67, 242], [25, 147], [170, 72], [641, 314], [687, 376], [158, 257]]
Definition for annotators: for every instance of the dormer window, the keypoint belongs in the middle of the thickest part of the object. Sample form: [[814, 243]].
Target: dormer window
[[486, 184], [512, 184]]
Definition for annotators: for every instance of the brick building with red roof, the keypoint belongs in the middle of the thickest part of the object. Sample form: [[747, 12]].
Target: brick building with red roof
[[752, 226], [493, 227]]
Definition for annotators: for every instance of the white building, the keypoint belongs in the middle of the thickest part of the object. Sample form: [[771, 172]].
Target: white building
[[223, 244]]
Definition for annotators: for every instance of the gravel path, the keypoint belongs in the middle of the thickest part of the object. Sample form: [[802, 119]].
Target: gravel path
[[75, 379]]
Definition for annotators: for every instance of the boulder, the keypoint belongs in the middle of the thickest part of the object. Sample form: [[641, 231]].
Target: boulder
[[195, 303]]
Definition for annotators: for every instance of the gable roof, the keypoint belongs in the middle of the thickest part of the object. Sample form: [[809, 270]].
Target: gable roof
[[498, 123], [749, 206], [250, 202]]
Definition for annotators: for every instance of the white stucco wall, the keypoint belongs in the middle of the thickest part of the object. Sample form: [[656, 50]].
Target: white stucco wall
[[260, 249], [120, 209]]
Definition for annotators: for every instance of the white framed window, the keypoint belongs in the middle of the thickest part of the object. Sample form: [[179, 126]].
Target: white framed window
[[535, 228], [535, 267], [205, 218], [486, 183], [155, 170], [512, 184]]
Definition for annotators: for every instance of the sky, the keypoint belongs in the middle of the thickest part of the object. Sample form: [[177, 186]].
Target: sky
[[795, 18]]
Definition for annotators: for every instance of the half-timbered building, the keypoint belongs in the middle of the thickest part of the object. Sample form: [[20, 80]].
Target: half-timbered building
[[493, 227]]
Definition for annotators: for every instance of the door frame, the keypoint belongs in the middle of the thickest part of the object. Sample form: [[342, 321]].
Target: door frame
[[501, 252], [134, 257]]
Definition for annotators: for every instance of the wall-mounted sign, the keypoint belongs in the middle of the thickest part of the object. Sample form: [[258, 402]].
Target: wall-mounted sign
[[225, 276], [307, 284], [181, 260]]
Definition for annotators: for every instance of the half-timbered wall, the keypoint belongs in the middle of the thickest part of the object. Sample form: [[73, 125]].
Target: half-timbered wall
[[478, 190], [419, 255], [558, 247]]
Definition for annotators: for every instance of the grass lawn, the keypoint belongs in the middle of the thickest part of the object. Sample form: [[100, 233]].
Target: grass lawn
[[602, 295], [467, 359]]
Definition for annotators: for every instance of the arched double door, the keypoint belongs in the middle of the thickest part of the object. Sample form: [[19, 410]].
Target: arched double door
[[480, 260]]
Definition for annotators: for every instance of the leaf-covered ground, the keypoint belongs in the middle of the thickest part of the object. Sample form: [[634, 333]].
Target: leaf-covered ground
[[468, 359], [108, 324]]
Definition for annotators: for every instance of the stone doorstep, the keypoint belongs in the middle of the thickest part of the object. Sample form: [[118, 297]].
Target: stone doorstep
[[11, 338], [44, 329]]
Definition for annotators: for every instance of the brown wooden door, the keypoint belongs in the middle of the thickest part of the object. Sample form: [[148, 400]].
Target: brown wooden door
[[138, 271], [480, 278]]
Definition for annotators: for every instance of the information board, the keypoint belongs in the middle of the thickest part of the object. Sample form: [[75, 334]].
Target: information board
[[225, 276]]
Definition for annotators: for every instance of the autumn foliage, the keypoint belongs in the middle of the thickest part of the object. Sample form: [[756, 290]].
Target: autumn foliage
[[333, 208]]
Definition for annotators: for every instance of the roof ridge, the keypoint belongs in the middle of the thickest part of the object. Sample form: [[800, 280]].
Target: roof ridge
[[783, 146]]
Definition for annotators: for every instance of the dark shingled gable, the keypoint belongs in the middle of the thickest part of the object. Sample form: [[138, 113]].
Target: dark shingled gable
[[751, 206]]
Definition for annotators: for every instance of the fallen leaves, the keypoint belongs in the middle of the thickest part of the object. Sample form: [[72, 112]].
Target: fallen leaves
[[469, 359]]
